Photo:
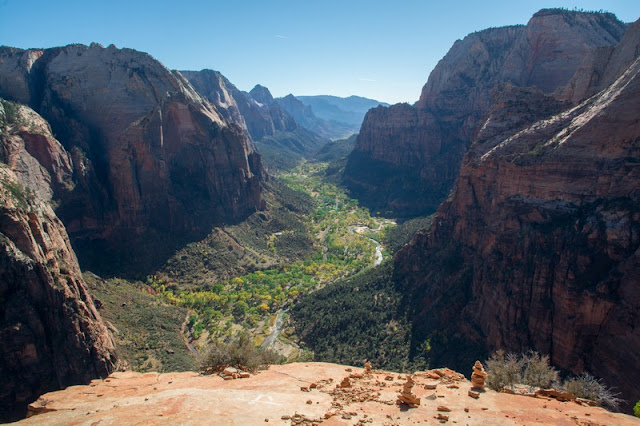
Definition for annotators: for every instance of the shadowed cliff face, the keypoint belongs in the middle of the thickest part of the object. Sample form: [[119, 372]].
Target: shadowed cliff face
[[154, 163], [51, 335], [407, 158], [539, 245]]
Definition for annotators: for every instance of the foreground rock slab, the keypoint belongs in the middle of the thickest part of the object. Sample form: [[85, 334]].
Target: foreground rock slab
[[275, 397]]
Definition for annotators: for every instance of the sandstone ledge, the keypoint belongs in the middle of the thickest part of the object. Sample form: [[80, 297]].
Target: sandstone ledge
[[275, 395]]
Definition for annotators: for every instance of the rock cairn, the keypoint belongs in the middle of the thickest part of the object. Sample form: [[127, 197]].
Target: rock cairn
[[231, 373], [478, 376], [406, 396], [345, 383], [367, 367]]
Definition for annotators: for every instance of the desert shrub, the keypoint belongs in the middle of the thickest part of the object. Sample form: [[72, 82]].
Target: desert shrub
[[531, 369], [588, 387], [538, 373], [636, 409], [503, 370], [241, 354]]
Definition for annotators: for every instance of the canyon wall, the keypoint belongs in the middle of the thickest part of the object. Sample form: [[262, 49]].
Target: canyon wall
[[539, 245], [407, 157], [51, 334], [154, 164]]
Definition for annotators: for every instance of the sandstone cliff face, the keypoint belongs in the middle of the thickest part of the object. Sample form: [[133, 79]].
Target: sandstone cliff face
[[539, 246], [420, 148], [153, 162], [51, 335], [277, 135]]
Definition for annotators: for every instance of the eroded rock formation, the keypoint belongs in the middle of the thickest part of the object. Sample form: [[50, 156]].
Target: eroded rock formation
[[153, 161], [51, 335], [407, 157], [539, 245]]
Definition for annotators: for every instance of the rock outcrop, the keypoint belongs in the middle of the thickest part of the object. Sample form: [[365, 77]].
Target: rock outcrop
[[153, 162], [276, 133], [407, 158], [51, 335], [539, 245], [274, 396]]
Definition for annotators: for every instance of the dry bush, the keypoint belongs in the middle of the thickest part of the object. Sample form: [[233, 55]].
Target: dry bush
[[503, 370], [241, 354], [531, 369], [588, 387], [538, 373]]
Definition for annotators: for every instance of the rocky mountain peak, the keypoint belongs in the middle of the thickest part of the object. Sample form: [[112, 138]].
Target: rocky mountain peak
[[261, 94]]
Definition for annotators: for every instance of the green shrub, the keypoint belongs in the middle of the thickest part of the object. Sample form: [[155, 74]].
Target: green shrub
[[503, 370], [636, 409], [241, 354], [588, 387], [537, 371]]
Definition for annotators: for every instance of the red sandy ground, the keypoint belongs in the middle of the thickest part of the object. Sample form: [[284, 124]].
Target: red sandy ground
[[189, 398]]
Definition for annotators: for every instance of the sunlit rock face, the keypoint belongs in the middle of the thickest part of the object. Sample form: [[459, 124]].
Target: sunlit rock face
[[407, 157], [539, 244], [154, 163]]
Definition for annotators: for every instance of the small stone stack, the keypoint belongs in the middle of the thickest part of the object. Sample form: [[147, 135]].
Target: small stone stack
[[406, 396], [367, 368], [346, 383], [231, 373], [478, 376]]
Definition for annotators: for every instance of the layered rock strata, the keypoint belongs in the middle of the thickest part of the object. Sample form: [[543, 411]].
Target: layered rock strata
[[407, 157], [153, 162], [51, 335], [539, 245]]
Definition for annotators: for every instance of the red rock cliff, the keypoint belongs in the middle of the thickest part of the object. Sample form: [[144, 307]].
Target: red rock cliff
[[539, 246], [407, 158], [51, 335], [154, 162]]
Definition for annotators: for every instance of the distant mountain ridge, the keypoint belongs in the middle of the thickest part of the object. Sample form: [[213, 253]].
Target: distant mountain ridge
[[278, 136], [305, 116], [350, 110]]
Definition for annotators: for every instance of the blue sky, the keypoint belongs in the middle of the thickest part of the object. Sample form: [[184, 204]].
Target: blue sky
[[378, 49]]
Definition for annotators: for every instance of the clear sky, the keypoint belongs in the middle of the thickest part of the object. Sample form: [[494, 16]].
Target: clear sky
[[381, 49]]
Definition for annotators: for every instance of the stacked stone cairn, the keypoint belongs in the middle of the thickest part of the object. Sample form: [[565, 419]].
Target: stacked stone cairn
[[406, 396]]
